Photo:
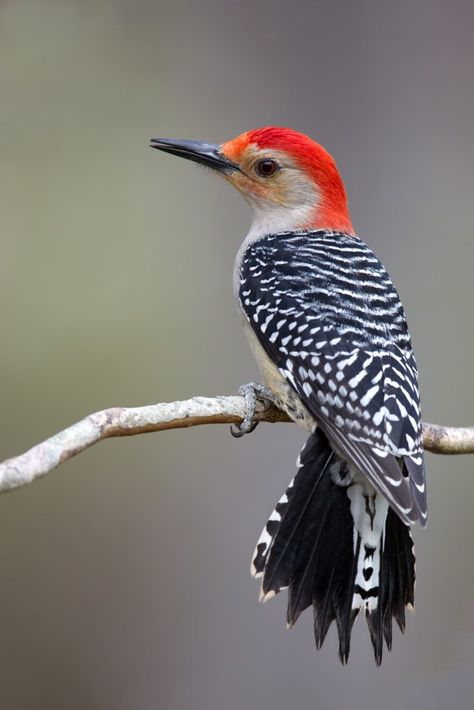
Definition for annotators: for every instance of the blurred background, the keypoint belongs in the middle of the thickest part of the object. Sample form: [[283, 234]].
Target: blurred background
[[124, 575]]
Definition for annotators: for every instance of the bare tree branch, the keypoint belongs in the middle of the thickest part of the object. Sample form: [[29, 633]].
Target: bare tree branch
[[128, 421], [448, 439]]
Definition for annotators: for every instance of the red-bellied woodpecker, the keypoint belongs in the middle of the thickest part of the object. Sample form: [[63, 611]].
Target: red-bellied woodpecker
[[327, 328]]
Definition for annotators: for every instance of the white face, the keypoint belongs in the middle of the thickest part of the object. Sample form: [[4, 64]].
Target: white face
[[281, 194]]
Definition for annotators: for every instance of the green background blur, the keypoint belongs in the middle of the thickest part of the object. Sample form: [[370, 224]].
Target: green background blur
[[124, 575]]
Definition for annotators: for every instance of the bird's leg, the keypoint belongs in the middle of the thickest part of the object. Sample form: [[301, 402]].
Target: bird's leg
[[251, 391]]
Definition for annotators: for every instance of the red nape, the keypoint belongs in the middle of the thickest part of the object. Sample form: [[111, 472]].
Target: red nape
[[333, 210]]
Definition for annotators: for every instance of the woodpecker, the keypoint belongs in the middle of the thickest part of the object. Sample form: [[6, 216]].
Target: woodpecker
[[327, 328]]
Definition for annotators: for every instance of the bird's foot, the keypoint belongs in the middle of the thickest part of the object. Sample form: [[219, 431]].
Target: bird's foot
[[251, 392]]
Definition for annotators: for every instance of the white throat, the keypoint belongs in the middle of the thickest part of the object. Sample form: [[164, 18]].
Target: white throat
[[269, 218]]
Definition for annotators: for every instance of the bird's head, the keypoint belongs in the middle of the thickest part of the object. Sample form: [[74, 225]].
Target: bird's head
[[290, 181]]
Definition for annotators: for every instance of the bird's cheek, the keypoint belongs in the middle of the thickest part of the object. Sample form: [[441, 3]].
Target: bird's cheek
[[248, 187]]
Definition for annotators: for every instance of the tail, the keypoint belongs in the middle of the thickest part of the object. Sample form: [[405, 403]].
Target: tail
[[335, 544]]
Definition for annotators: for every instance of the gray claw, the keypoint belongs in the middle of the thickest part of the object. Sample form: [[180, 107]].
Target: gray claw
[[238, 430], [250, 392]]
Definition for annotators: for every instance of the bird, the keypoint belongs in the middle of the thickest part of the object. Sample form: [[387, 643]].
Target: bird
[[329, 334]]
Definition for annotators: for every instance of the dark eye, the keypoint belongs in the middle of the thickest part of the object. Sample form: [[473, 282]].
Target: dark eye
[[266, 167]]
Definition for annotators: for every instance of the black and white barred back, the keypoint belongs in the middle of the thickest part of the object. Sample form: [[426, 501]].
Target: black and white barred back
[[328, 316]]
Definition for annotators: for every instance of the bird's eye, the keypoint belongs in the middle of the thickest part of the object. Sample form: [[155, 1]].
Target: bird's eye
[[266, 167]]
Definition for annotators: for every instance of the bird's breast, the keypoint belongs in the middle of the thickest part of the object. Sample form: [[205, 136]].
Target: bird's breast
[[287, 399]]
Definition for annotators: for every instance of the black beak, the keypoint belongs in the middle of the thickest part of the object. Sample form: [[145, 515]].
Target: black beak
[[203, 153]]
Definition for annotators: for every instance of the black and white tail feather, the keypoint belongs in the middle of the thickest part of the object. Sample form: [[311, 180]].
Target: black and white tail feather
[[336, 545]]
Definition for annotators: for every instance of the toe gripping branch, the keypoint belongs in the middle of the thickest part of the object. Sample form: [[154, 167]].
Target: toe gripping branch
[[251, 392]]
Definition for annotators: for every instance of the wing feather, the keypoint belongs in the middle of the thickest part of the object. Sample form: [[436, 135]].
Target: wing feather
[[361, 388]]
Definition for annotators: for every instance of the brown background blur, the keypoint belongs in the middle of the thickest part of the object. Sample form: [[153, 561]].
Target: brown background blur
[[124, 577]]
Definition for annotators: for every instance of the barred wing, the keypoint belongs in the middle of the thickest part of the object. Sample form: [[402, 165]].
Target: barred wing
[[363, 403], [335, 328]]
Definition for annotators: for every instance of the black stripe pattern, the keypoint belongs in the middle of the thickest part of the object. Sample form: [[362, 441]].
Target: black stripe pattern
[[328, 315]]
